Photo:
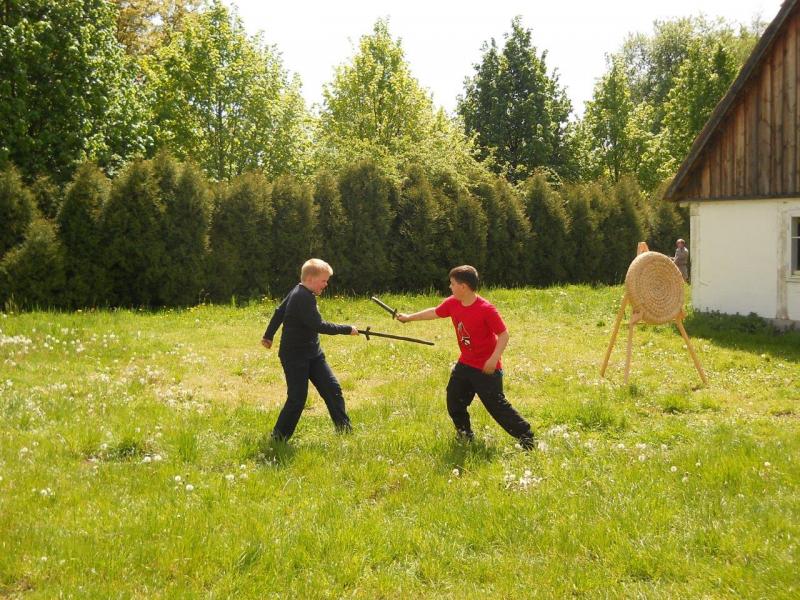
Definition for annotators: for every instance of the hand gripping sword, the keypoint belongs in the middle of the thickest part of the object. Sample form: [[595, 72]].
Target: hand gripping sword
[[368, 332]]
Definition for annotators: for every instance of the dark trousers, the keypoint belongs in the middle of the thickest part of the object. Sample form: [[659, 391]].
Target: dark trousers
[[465, 382], [298, 372]]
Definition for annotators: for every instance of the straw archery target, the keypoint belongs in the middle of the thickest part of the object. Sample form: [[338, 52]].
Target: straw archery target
[[655, 288]]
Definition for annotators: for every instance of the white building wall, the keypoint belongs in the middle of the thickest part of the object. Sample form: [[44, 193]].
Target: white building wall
[[740, 258]]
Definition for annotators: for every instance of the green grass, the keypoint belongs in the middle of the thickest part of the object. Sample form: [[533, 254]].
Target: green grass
[[133, 462]]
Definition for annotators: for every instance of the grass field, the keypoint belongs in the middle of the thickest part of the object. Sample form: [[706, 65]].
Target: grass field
[[133, 462]]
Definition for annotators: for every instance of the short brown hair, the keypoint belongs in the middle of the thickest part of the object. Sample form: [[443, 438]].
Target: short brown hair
[[314, 267], [466, 274]]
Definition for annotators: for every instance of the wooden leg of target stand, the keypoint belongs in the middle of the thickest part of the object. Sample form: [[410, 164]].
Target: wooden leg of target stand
[[620, 314], [679, 323], [634, 319]]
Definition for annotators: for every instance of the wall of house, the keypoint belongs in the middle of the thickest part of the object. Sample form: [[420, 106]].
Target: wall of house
[[740, 258]]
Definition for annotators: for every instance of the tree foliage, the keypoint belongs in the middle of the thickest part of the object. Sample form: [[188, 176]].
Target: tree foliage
[[609, 143], [224, 99], [517, 111], [374, 109], [144, 25], [67, 91]]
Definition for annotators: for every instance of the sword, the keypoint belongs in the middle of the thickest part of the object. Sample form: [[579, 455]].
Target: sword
[[367, 332], [386, 307]]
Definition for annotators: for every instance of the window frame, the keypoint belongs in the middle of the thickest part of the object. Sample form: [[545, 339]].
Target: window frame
[[794, 245]]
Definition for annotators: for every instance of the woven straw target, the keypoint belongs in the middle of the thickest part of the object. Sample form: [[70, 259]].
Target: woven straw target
[[655, 288]]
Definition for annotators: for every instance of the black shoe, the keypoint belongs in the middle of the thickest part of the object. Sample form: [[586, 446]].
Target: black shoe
[[528, 442], [466, 437]]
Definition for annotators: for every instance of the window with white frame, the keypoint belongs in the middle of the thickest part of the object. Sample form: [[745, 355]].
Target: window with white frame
[[795, 240]]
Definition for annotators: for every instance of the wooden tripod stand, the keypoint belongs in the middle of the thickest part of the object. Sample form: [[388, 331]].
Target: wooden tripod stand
[[642, 315]]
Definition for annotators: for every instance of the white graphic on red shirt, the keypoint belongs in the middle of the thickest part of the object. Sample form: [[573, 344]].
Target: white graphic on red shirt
[[463, 335]]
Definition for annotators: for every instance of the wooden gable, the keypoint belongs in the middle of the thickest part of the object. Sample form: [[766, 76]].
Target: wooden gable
[[750, 146]]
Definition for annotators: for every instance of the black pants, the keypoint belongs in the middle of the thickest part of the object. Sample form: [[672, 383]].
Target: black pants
[[465, 382], [298, 372]]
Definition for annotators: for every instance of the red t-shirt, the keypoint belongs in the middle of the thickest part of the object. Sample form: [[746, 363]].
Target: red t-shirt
[[477, 327]]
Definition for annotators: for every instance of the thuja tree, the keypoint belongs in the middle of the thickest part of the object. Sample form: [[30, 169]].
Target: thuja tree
[[16, 209], [507, 232], [240, 238], [32, 274], [548, 248], [414, 241], [79, 229], [186, 198], [330, 224], [132, 238], [585, 245], [365, 194], [620, 225], [461, 226], [292, 234]]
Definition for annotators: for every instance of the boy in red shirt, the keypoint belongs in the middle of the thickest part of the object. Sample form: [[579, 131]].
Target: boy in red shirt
[[482, 337]]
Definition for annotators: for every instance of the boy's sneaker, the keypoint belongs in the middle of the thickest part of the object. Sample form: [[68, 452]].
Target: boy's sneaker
[[528, 442], [466, 437]]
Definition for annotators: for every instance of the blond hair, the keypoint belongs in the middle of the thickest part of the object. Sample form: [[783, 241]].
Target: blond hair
[[314, 267]]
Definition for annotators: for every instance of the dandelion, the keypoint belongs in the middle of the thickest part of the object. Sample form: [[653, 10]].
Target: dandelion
[[178, 479], [157, 458], [621, 446], [230, 477], [189, 487], [405, 475], [673, 468], [642, 458], [456, 472], [767, 464], [146, 459], [697, 464], [684, 479]]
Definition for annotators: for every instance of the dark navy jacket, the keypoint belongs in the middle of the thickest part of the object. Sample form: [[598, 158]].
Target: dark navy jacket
[[302, 325]]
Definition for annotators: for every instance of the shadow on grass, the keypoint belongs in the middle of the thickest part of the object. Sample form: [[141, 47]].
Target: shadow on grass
[[750, 333], [459, 453], [265, 450]]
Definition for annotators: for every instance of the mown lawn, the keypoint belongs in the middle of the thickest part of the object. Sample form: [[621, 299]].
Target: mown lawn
[[133, 461]]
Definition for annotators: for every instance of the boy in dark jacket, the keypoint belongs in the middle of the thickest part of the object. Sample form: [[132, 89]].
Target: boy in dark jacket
[[300, 352]]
